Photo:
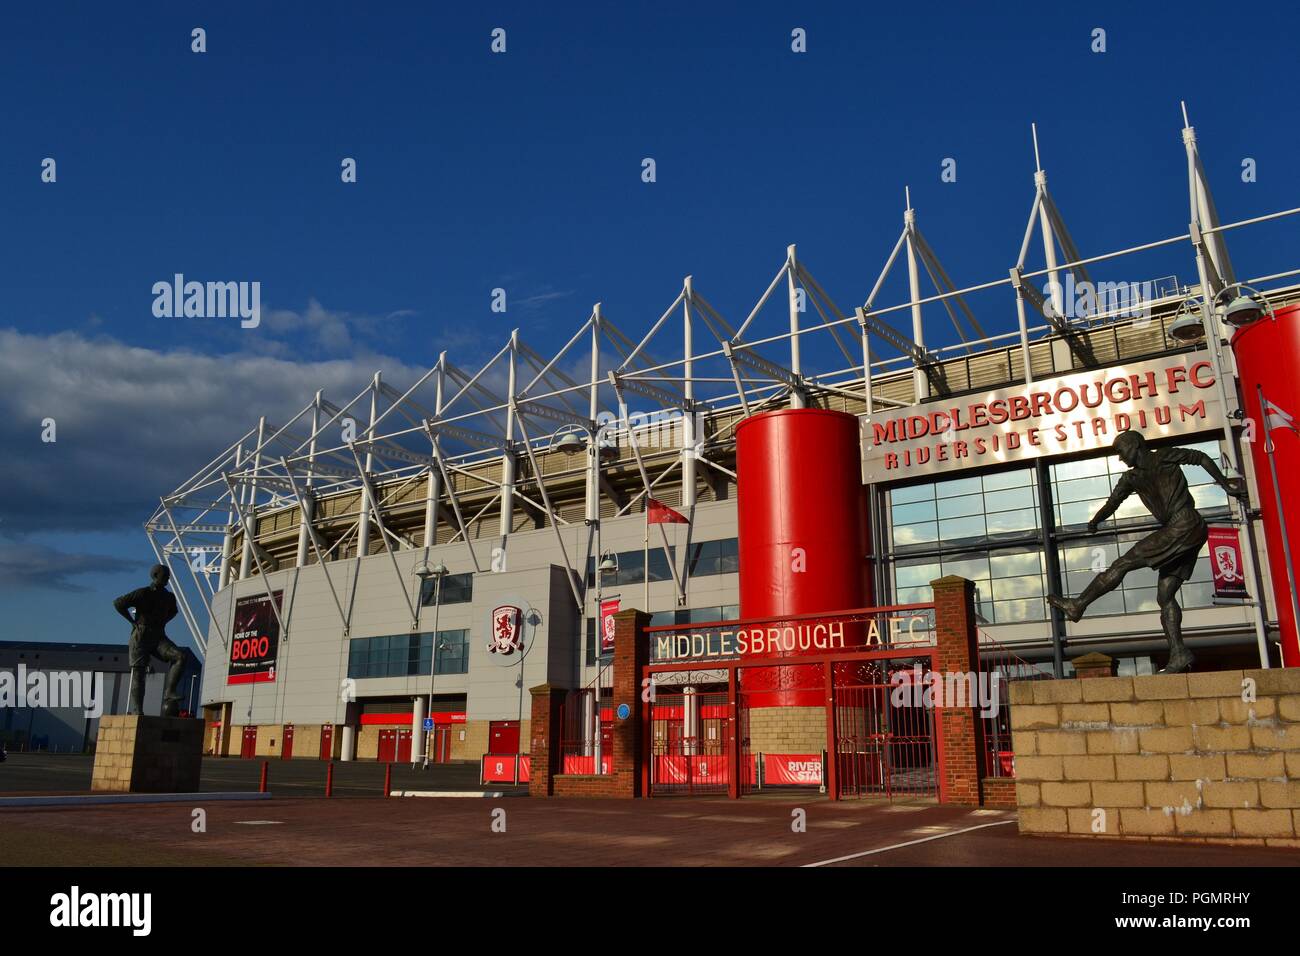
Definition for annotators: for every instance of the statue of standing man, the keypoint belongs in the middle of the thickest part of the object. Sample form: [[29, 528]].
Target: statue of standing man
[[1155, 476], [154, 606]]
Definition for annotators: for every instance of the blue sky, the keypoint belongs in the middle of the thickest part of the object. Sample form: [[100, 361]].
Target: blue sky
[[523, 171]]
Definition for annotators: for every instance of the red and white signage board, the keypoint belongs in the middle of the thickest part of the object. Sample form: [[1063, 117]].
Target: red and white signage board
[[608, 608], [1226, 563], [500, 768], [1065, 415], [797, 769]]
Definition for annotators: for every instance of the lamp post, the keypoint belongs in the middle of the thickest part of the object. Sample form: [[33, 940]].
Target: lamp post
[[596, 447], [438, 571], [1188, 329]]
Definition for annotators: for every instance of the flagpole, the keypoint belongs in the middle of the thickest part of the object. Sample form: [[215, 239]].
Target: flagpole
[[645, 555], [1265, 409]]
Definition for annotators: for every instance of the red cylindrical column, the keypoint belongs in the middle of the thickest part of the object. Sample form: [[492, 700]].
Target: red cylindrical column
[[1268, 357], [802, 532]]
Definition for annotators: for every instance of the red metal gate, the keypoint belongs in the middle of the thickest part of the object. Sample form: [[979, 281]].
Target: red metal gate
[[884, 744], [846, 734], [689, 738]]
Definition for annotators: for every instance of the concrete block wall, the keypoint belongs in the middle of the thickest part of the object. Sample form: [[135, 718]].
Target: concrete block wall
[[1211, 757], [787, 730]]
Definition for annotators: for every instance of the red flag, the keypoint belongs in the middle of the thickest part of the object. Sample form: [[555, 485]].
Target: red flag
[[660, 513]]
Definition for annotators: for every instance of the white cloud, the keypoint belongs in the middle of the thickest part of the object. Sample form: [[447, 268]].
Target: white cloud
[[133, 423]]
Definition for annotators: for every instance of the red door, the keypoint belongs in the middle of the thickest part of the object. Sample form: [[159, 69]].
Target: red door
[[441, 744], [387, 745], [403, 746], [286, 752], [327, 742], [503, 737], [248, 748]]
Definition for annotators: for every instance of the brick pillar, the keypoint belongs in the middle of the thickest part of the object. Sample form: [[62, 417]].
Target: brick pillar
[[631, 654], [961, 733], [545, 728]]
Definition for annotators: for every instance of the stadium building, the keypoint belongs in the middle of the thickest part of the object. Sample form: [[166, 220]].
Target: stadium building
[[390, 574]]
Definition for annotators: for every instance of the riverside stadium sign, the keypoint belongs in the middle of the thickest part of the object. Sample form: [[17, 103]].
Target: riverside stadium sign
[[1054, 416]]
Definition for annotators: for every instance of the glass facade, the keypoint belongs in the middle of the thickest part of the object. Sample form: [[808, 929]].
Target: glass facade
[[714, 557], [631, 568], [408, 655], [456, 589], [987, 528]]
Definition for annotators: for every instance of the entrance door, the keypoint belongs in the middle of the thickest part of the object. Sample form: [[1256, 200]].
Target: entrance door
[[387, 745], [327, 742], [441, 752], [503, 737], [403, 746], [286, 753], [248, 747]]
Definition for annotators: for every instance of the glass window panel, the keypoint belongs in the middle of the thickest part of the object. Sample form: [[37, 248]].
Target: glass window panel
[[910, 514], [902, 496], [1112, 603], [962, 505], [962, 529], [917, 595], [659, 570], [1023, 586], [1087, 468], [1208, 497], [1010, 500], [1020, 478], [1076, 513], [1007, 612], [911, 574], [972, 566], [1006, 522], [1082, 489], [631, 568], [731, 612], [1008, 563], [1137, 602], [958, 486], [910, 534]]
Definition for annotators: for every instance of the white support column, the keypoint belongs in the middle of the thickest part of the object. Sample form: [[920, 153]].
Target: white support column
[[434, 489], [1057, 297], [363, 520], [593, 410], [508, 462], [920, 381], [348, 749], [689, 437], [690, 721], [250, 515], [796, 366], [307, 506], [418, 736], [227, 540]]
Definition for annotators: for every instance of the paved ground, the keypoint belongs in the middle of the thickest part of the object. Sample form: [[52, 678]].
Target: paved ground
[[665, 832], [70, 773]]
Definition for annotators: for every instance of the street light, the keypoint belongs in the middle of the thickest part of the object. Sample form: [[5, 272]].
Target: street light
[[1186, 326], [437, 571]]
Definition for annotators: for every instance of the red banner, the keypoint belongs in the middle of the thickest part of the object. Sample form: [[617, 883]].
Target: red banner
[[803, 769], [1225, 561], [578, 764], [608, 608]]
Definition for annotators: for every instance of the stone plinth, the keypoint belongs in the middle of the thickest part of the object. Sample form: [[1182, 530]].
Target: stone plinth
[[136, 754], [1200, 757]]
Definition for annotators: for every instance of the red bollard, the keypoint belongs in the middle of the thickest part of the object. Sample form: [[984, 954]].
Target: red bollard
[[329, 779], [266, 766], [388, 779]]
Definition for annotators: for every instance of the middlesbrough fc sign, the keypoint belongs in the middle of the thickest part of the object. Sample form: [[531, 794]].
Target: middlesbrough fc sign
[[1053, 416]]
